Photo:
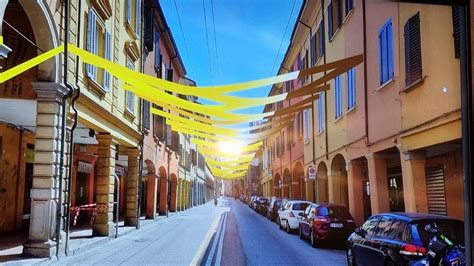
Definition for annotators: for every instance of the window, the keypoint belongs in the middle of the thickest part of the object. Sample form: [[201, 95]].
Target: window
[[456, 10], [133, 14], [334, 17], [158, 57], [349, 5], [413, 68], [318, 43], [306, 124], [321, 112], [278, 146], [158, 124], [130, 97], [313, 49], [337, 97], [280, 103], [146, 115], [282, 143], [299, 123], [370, 225], [383, 227], [290, 134], [98, 42], [386, 52], [351, 89]]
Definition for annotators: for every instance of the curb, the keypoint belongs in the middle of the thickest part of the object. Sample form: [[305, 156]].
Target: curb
[[198, 257]]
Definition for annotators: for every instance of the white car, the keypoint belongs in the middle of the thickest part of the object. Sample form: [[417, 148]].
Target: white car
[[289, 215]]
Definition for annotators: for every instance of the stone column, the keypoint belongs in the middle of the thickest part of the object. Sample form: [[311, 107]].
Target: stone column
[[377, 166], [132, 183], [151, 192], [310, 189], [356, 190], [414, 181], [45, 191], [334, 184], [105, 186]]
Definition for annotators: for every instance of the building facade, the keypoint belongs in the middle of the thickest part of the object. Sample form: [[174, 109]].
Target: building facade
[[387, 134]]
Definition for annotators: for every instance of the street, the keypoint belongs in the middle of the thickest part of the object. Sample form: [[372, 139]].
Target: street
[[251, 239]]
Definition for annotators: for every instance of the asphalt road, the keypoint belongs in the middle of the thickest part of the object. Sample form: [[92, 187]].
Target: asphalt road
[[251, 239]]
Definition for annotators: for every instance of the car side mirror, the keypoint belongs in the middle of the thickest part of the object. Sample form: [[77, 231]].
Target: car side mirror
[[361, 232]]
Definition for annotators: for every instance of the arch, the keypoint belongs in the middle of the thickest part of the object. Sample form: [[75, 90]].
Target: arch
[[322, 183], [277, 183], [46, 37], [286, 188], [298, 182], [337, 181], [172, 192], [151, 189], [162, 191], [150, 167]]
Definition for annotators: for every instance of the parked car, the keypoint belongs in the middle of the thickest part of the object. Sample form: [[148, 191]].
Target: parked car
[[398, 238], [250, 203], [272, 210], [326, 222], [289, 216], [262, 205]]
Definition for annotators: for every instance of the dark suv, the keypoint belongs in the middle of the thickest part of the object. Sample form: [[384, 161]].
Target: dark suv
[[272, 211], [398, 238]]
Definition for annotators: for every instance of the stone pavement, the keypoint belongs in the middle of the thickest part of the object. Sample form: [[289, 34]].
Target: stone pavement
[[174, 240]]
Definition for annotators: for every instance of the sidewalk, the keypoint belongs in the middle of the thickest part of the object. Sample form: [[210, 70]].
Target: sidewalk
[[11, 246], [190, 226]]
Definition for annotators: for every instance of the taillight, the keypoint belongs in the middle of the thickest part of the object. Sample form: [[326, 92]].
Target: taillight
[[321, 220], [412, 250], [291, 214]]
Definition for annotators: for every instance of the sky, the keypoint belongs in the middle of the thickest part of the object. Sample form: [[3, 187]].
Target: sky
[[248, 34]]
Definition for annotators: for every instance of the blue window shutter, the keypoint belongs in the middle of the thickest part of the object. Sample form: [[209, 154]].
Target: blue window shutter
[[89, 39], [321, 38], [128, 11], [106, 83], [383, 55], [389, 50], [138, 15], [354, 88], [330, 26], [348, 86]]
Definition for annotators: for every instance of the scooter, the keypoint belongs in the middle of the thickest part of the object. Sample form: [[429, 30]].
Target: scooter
[[441, 250]]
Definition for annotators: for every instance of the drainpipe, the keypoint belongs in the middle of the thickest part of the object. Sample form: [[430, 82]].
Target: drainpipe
[[74, 125], [466, 117], [63, 125], [312, 111], [366, 110], [325, 93], [142, 135]]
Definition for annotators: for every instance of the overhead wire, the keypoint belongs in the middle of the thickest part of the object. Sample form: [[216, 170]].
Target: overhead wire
[[215, 37], [182, 31], [283, 37], [207, 39]]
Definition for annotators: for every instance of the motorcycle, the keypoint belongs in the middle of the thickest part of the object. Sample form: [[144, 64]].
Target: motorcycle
[[441, 250]]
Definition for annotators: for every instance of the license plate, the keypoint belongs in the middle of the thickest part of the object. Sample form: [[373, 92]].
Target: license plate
[[336, 225]]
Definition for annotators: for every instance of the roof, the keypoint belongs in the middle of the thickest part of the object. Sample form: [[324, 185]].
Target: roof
[[168, 32], [410, 216]]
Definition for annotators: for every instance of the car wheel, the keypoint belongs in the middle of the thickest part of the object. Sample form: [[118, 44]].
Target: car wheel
[[389, 263], [288, 229], [350, 257]]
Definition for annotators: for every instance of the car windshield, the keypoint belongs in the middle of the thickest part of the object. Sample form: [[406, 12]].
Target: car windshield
[[452, 229], [300, 206], [335, 212]]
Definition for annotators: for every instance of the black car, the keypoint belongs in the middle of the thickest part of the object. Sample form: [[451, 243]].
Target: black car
[[272, 210], [261, 205], [398, 238], [326, 222]]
